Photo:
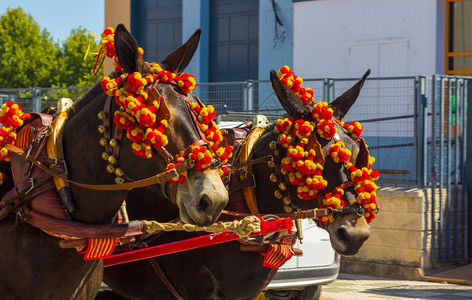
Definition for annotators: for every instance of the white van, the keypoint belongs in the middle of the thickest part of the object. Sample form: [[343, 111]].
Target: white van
[[301, 277]]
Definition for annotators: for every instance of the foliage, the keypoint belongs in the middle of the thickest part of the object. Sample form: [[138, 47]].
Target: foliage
[[75, 70], [30, 58]]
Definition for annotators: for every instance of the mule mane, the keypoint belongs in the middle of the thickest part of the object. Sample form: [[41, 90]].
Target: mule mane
[[92, 94]]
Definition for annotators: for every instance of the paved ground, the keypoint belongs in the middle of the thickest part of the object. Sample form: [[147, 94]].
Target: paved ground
[[356, 287]]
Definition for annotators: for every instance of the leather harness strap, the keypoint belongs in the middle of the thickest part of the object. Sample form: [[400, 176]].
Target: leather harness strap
[[162, 276], [74, 228], [155, 179]]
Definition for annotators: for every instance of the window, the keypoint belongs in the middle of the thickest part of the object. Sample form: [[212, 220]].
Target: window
[[458, 52]]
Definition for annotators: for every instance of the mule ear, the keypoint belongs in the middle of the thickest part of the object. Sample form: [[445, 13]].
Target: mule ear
[[292, 104], [343, 103], [178, 60], [362, 159], [126, 49]]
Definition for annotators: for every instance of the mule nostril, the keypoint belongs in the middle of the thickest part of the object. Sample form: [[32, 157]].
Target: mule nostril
[[343, 235], [204, 203]]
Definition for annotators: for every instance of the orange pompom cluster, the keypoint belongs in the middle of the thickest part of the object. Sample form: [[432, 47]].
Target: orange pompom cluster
[[321, 111], [294, 83], [299, 164], [365, 187], [333, 200], [338, 153], [108, 42], [186, 82], [201, 157], [353, 128], [138, 115], [214, 136], [182, 176], [326, 129], [11, 117]]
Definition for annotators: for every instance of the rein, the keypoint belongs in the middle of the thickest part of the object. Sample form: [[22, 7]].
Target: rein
[[155, 179]]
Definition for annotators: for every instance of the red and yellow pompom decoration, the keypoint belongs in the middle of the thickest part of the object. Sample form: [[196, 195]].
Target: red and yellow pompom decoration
[[181, 178], [107, 49], [353, 128], [333, 200], [338, 153], [294, 83], [299, 164], [138, 115], [365, 187], [213, 135], [11, 117]]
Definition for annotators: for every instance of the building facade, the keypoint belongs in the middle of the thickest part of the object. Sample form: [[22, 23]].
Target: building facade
[[244, 39]]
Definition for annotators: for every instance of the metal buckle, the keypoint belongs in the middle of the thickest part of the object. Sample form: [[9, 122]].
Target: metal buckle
[[31, 181]]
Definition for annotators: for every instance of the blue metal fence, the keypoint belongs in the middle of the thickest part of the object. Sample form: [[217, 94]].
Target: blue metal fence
[[416, 128]]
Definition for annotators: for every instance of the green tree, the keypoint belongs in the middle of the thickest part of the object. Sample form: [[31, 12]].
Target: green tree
[[28, 55], [74, 69]]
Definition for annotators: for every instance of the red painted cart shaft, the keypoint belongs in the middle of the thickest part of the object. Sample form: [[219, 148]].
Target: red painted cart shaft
[[192, 243]]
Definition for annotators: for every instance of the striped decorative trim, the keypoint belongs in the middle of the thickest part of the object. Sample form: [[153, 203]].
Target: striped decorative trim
[[277, 255], [99, 248], [24, 138]]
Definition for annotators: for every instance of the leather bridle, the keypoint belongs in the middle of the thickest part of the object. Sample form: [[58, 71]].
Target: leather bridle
[[162, 151]]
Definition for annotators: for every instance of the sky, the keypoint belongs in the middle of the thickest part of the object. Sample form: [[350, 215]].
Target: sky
[[59, 17]]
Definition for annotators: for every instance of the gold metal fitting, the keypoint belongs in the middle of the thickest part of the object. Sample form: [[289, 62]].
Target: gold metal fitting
[[119, 172], [271, 164], [103, 142], [102, 129], [287, 208], [105, 156], [278, 194], [112, 159], [119, 180], [273, 145], [287, 200], [110, 169], [101, 115], [273, 177], [282, 186], [113, 143]]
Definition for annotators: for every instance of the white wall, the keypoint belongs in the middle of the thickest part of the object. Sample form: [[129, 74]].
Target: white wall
[[343, 38]]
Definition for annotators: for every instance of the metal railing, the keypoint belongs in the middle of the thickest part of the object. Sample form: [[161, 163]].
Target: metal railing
[[416, 128]]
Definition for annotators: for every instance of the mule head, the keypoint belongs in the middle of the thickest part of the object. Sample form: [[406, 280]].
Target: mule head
[[202, 196], [349, 230]]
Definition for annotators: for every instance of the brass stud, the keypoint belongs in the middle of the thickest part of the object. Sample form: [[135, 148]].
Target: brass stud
[[101, 115], [105, 156], [282, 186], [287, 208], [278, 194], [273, 177], [110, 169], [103, 142], [271, 164], [273, 145], [112, 159], [119, 180], [287, 200], [102, 129], [119, 172], [113, 143]]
